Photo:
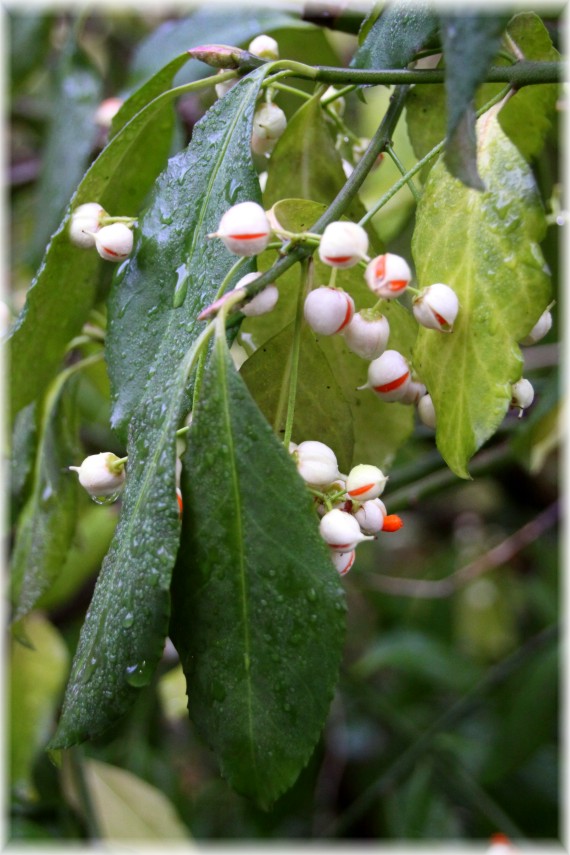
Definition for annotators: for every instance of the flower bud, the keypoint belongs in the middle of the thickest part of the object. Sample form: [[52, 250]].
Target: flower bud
[[224, 87], [328, 310], [264, 47], [342, 561], [316, 463], [106, 112], [100, 475], [114, 242], [522, 394], [540, 329], [263, 302], [338, 105], [392, 522], [244, 229], [179, 500], [269, 122], [389, 376], [371, 515], [365, 482], [426, 411], [343, 244], [219, 56], [85, 221], [388, 275], [341, 531], [436, 307], [413, 393], [367, 336]]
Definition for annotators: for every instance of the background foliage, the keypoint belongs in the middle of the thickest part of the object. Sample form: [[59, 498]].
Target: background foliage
[[445, 722]]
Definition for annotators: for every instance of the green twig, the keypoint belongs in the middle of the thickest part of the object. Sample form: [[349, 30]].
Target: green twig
[[523, 73], [402, 169], [304, 286]]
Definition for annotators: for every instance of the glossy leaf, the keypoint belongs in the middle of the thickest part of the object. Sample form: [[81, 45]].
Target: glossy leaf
[[470, 41], [47, 522], [306, 164], [258, 614], [124, 630], [70, 140], [173, 255], [489, 254], [37, 676], [65, 288], [396, 37], [371, 444], [125, 807]]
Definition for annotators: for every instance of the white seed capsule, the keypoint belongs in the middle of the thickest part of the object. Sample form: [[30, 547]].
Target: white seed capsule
[[269, 122], [328, 310], [316, 463], [426, 411], [343, 244], [436, 307], [114, 242], [85, 221], [106, 112], [263, 302], [224, 87], [388, 275], [522, 394], [342, 561], [370, 516], [97, 476], [341, 531], [540, 329], [338, 105], [365, 482], [244, 229], [367, 337], [389, 376], [413, 393], [265, 47]]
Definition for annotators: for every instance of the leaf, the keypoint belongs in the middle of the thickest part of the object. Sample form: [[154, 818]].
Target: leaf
[[470, 41], [126, 808], [28, 41], [71, 138], [37, 676], [396, 37], [306, 163], [371, 445], [24, 441], [485, 246], [321, 411], [65, 288], [172, 254], [123, 635], [258, 614], [47, 521]]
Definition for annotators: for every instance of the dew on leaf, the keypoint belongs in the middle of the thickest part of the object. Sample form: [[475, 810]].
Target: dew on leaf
[[139, 674], [128, 620], [107, 500]]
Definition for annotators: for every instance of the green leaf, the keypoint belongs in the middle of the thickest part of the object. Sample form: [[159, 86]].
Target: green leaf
[[70, 140], [126, 808], [396, 37], [28, 41], [371, 444], [37, 675], [321, 410], [306, 163], [258, 614], [485, 246], [173, 256], [47, 521], [470, 41], [65, 288]]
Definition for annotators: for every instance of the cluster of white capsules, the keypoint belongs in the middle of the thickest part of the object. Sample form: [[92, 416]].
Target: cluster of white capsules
[[91, 226], [349, 505]]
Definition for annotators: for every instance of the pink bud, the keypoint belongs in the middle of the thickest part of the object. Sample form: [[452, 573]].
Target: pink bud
[[436, 307], [413, 393], [367, 337], [341, 531], [370, 516], [263, 302], [85, 221], [106, 112], [316, 463], [244, 229], [365, 482], [343, 244], [522, 394], [100, 475], [265, 47], [114, 242], [328, 310], [219, 56], [388, 275], [426, 411], [389, 376], [269, 122], [342, 561], [539, 330]]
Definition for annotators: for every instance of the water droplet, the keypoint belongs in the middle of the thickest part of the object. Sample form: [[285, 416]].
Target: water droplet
[[107, 500], [128, 620], [47, 493], [139, 674], [89, 670], [311, 593], [181, 286]]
